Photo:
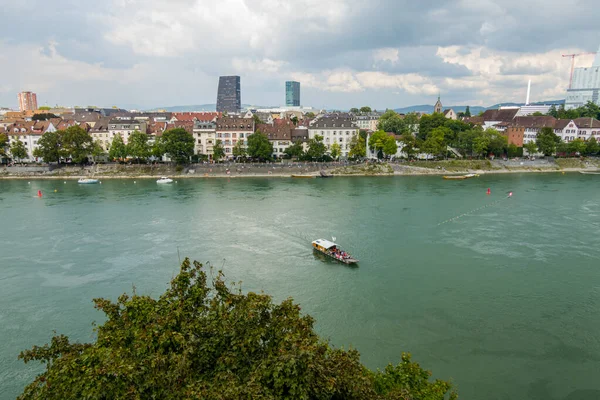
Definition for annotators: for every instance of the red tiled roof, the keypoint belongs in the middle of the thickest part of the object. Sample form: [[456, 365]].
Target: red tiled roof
[[200, 116], [277, 131], [587, 123]]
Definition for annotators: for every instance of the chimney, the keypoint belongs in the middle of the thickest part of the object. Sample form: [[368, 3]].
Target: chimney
[[528, 92]]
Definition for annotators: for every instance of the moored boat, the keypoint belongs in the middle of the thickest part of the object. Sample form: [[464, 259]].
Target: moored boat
[[332, 250], [460, 177], [87, 181], [304, 176], [590, 172], [164, 179]]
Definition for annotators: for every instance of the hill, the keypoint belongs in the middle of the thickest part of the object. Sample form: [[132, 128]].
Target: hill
[[427, 108]]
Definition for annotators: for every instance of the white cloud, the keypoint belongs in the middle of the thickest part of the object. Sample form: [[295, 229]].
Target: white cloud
[[387, 54]]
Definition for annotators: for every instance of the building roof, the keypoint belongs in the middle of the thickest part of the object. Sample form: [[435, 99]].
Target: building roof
[[280, 130], [587, 123], [330, 122], [545, 121], [562, 123], [474, 120], [191, 116], [235, 124], [504, 115], [300, 134]]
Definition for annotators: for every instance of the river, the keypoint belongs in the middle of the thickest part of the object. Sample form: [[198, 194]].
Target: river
[[501, 295]]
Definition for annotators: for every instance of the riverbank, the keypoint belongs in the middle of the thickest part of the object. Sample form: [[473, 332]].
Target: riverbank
[[450, 167]]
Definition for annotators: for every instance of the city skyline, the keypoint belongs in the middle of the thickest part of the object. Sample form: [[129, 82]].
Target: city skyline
[[466, 51]]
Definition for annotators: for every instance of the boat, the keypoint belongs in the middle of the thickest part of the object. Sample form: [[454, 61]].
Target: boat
[[460, 177], [164, 179], [87, 181], [304, 176], [332, 250], [590, 172]]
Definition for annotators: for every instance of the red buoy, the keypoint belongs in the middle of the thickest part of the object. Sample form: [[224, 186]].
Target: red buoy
[[489, 191], [39, 193]]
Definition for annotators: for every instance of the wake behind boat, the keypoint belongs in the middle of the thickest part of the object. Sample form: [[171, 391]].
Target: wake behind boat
[[332, 250], [164, 179], [87, 181]]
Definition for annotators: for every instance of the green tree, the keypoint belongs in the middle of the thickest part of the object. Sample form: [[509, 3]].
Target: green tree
[[138, 147], [578, 146], [498, 142], [49, 147], [97, 150], [466, 140], [358, 148], [429, 122], [409, 145], [365, 109], [43, 117], [218, 150], [468, 111], [294, 120], [76, 144], [553, 112], [537, 114], [257, 119], [354, 110], [378, 141], [157, 149], [259, 146], [563, 149], [531, 148], [178, 144], [316, 149], [202, 339], [592, 147], [309, 115], [547, 141], [18, 150], [434, 144], [3, 144], [239, 150], [481, 145], [590, 110], [295, 150], [118, 150], [44, 108], [513, 150], [391, 121], [335, 151]]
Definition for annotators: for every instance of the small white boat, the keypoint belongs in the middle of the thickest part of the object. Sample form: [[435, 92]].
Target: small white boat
[[334, 251], [164, 179], [87, 181]]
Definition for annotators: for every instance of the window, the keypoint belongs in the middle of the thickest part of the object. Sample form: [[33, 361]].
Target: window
[[241, 135], [334, 133], [341, 140], [347, 133]]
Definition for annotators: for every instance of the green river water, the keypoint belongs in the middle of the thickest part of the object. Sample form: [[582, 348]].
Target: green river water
[[504, 299]]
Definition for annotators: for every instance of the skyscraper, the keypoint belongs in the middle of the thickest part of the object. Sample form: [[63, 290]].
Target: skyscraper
[[292, 94], [229, 94], [27, 101], [585, 86]]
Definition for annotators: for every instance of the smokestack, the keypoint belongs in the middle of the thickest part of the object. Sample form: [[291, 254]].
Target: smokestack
[[528, 93]]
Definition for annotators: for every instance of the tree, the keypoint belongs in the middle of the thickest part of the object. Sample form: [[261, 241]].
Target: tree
[[537, 114], [365, 109], [377, 141], [178, 144], [553, 112], [309, 115], [481, 144], [157, 149], [468, 111], [3, 144], [590, 110], [390, 121], [294, 120], [578, 146], [434, 144], [316, 149], [257, 119], [43, 117], [44, 108], [49, 147], [137, 146], [513, 150], [466, 140], [295, 150], [531, 148], [76, 144], [335, 151], [118, 150], [218, 150], [18, 150], [430, 122], [259, 146], [96, 150], [358, 148], [563, 149], [354, 110], [547, 141], [498, 142], [203, 339], [409, 145], [592, 147], [239, 150]]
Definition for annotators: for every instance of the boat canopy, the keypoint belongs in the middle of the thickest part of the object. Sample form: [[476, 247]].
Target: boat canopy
[[326, 244]]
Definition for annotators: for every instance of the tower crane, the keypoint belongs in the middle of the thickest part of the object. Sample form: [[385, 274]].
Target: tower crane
[[573, 64]]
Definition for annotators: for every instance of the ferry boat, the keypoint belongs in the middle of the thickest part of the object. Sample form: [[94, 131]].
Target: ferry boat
[[164, 179], [460, 177], [332, 250], [304, 176], [87, 181]]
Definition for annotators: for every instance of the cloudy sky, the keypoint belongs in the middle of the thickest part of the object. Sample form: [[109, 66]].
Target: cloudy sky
[[383, 53]]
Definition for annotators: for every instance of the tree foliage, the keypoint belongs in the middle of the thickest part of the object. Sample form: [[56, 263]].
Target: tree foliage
[[435, 144], [335, 150], [76, 144], [358, 147], [429, 122], [118, 149], [138, 147], [204, 340], [239, 150], [43, 117], [178, 145], [3, 144], [578, 146], [546, 141], [218, 150], [409, 145], [391, 121], [592, 147], [383, 144], [316, 149], [295, 150], [531, 148], [365, 109], [468, 111], [49, 147], [259, 146], [18, 150]]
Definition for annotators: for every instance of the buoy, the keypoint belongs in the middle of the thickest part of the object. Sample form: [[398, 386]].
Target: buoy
[[489, 191], [55, 190], [134, 182], [39, 193], [29, 183], [510, 194], [65, 182]]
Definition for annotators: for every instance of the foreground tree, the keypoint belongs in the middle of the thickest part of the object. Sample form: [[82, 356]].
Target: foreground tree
[[391, 121], [259, 146], [3, 144], [76, 144], [218, 150], [97, 150], [435, 144], [204, 340], [178, 145], [365, 109], [295, 150], [547, 140], [531, 148], [316, 149], [137, 146], [592, 147], [49, 147], [18, 150], [409, 145], [335, 150], [239, 150], [118, 150], [358, 147], [578, 146]]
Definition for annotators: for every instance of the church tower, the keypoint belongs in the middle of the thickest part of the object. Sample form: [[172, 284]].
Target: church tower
[[438, 106]]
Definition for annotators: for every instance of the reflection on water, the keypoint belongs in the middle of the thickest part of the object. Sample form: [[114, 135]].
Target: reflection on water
[[500, 300]]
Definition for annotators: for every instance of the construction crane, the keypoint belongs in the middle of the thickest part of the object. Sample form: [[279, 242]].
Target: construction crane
[[573, 64]]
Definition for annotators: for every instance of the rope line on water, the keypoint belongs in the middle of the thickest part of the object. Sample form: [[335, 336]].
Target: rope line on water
[[474, 210]]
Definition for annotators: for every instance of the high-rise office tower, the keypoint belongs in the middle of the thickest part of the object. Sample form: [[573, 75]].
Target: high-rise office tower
[[229, 95], [27, 101], [292, 94]]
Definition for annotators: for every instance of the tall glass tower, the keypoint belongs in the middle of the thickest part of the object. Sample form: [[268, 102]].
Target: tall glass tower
[[229, 97], [292, 94]]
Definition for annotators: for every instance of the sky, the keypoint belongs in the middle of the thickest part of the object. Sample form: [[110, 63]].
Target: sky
[[345, 53]]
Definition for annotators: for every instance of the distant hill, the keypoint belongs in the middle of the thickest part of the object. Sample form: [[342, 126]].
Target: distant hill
[[426, 108]]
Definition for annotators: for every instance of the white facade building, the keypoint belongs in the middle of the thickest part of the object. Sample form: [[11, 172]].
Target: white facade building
[[204, 137], [335, 129], [585, 86]]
